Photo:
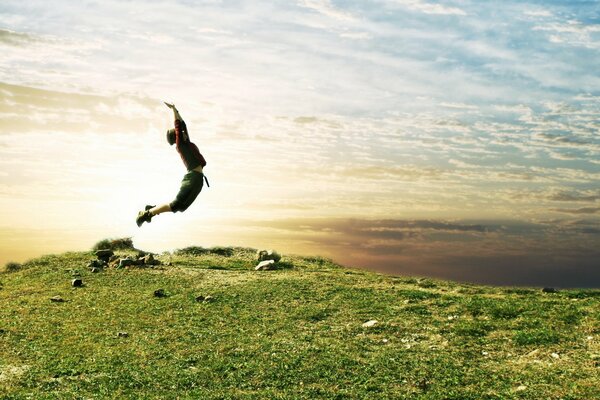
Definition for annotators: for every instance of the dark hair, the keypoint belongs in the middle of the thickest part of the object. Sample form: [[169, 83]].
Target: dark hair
[[171, 136]]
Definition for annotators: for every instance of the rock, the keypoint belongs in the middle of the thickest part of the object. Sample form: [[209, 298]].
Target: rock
[[549, 290], [150, 260], [126, 262], [555, 355], [96, 264], [265, 265], [370, 323], [264, 255], [204, 299], [57, 299], [104, 254], [77, 282], [122, 334], [160, 293]]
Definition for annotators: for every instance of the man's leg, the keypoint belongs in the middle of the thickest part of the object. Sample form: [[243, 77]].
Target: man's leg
[[160, 209]]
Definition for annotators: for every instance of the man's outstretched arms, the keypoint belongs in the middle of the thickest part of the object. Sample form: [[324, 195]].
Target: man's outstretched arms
[[175, 111], [181, 133]]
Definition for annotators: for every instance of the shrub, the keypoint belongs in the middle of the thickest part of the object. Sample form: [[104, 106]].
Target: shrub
[[12, 267], [198, 251], [115, 244]]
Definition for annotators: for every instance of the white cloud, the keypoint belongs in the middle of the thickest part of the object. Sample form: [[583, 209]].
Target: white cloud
[[573, 33], [326, 8], [430, 8]]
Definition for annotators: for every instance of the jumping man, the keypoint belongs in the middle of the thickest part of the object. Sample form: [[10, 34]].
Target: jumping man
[[192, 182]]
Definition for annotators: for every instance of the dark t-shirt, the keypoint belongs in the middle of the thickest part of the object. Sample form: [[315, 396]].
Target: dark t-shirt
[[187, 150]]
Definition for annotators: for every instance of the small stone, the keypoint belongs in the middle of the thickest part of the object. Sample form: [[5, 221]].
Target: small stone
[[265, 265], [204, 299], [77, 282], [555, 355], [57, 299], [370, 323], [384, 340], [590, 337], [125, 262], [484, 353], [549, 290], [122, 334], [520, 388], [160, 293]]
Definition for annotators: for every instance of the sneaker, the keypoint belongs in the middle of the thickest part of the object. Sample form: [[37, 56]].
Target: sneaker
[[143, 216]]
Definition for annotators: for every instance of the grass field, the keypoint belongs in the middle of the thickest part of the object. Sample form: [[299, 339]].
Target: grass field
[[292, 333]]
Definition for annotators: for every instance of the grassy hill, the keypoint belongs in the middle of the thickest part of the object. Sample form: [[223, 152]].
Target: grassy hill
[[292, 333]]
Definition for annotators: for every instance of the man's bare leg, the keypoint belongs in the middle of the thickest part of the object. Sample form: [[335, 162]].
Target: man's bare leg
[[160, 209]]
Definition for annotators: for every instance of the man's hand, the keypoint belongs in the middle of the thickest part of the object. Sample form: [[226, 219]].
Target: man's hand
[[170, 105]]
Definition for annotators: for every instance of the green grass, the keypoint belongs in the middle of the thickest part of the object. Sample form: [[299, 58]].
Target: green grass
[[292, 333]]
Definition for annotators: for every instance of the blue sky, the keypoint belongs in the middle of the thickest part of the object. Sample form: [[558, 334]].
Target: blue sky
[[455, 112]]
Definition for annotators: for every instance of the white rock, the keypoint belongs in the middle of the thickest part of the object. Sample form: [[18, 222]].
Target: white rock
[[384, 340], [555, 355], [590, 337], [370, 323], [521, 388], [485, 353], [265, 265]]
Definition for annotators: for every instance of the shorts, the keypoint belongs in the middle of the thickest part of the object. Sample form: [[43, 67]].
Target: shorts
[[191, 185]]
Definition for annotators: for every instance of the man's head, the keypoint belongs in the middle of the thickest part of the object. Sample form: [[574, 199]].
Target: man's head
[[171, 136]]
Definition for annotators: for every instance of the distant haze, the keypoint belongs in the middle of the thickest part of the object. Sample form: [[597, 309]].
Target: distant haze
[[452, 139]]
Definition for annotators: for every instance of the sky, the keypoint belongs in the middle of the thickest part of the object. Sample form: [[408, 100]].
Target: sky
[[451, 139]]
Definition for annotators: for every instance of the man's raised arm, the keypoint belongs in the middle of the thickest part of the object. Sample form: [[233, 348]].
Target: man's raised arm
[[181, 133], [175, 111]]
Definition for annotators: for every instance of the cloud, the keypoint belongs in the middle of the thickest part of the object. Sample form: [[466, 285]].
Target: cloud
[[583, 210], [326, 8], [15, 38], [430, 8], [575, 196], [572, 33]]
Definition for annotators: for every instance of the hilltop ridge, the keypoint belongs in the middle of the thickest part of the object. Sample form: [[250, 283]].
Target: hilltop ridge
[[309, 329]]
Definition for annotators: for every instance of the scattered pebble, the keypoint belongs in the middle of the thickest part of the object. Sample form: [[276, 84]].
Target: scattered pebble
[[521, 388], [384, 340], [370, 323], [204, 299], [451, 317], [590, 337], [555, 355], [77, 282], [57, 299], [485, 353]]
